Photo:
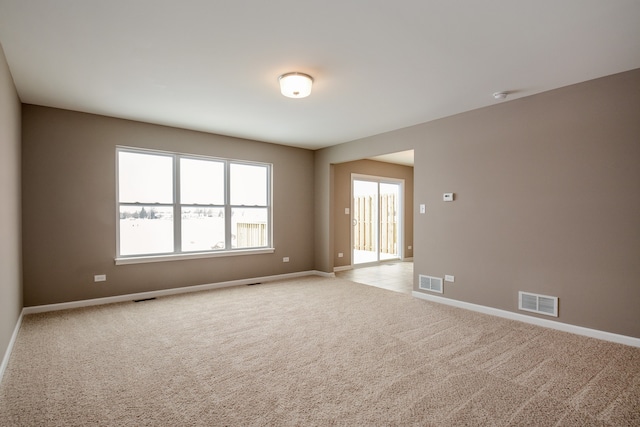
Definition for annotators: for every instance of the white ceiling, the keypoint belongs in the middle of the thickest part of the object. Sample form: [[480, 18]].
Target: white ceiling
[[378, 65]]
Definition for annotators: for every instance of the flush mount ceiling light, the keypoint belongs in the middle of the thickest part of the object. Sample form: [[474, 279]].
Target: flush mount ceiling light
[[295, 85], [500, 95]]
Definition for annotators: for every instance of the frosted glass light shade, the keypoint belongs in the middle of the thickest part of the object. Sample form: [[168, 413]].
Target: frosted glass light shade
[[295, 85]]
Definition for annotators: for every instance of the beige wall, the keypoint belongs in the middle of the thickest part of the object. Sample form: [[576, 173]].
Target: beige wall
[[342, 199], [69, 207], [547, 201], [10, 228]]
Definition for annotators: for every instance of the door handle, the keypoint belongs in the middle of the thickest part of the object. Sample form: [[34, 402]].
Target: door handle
[[355, 222]]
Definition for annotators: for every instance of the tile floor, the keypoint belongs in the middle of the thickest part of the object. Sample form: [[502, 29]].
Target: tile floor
[[395, 276]]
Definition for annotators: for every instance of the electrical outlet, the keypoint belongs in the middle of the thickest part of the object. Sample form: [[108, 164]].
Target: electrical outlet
[[285, 259], [100, 278], [448, 278]]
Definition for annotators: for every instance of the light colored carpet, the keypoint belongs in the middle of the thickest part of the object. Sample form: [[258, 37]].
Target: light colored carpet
[[312, 351]]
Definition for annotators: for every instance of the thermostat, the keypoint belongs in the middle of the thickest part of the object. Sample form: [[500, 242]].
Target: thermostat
[[447, 197]]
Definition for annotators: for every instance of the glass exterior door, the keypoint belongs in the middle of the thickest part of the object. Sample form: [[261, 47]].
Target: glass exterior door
[[375, 219]]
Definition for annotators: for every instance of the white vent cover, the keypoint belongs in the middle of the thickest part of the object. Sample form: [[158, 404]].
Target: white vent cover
[[541, 304], [428, 283]]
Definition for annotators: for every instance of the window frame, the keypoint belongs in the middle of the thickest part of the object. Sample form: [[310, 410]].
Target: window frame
[[178, 252]]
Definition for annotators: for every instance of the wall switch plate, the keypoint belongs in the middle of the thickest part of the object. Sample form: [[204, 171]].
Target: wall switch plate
[[340, 254], [448, 278], [285, 259], [423, 208], [409, 247], [346, 211], [100, 278]]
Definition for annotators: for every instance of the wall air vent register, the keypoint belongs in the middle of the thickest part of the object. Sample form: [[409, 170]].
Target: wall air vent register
[[541, 304], [429, 283]]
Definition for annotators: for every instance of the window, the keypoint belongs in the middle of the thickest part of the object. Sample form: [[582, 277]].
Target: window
[[177, 204]]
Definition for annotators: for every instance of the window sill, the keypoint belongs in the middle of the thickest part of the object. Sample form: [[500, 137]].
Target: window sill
[[195, 255]]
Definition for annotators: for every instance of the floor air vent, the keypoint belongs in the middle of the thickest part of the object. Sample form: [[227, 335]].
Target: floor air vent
[[144, 299], [428, 283], [541, 304]]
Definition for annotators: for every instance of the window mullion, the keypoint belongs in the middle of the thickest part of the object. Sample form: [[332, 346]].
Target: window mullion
[[177, 207], [227, 206], [269, 207]]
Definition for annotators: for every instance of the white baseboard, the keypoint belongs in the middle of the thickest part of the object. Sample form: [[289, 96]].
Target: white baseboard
[[343, 268], [321, 273], [7, 353], [166, 292], [565, 327]]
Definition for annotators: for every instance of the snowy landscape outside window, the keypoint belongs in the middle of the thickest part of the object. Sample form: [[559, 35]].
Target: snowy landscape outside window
[[179, 204]]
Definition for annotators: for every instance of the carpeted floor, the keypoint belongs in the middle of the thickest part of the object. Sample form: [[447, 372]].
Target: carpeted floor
[[311, 351]]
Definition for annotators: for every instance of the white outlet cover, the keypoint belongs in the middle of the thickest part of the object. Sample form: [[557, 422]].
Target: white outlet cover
[[448, 278]]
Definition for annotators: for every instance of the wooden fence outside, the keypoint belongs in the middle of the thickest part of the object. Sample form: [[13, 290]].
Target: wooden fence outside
[[251, 235], [364, 226]]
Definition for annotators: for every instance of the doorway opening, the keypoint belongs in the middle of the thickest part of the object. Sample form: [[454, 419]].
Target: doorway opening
[[376, 218]]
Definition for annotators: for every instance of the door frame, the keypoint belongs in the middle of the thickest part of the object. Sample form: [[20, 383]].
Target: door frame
[[379, 180]]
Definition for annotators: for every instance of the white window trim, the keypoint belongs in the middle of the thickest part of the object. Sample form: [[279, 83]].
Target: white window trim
[[177, 256], [191, 255]]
